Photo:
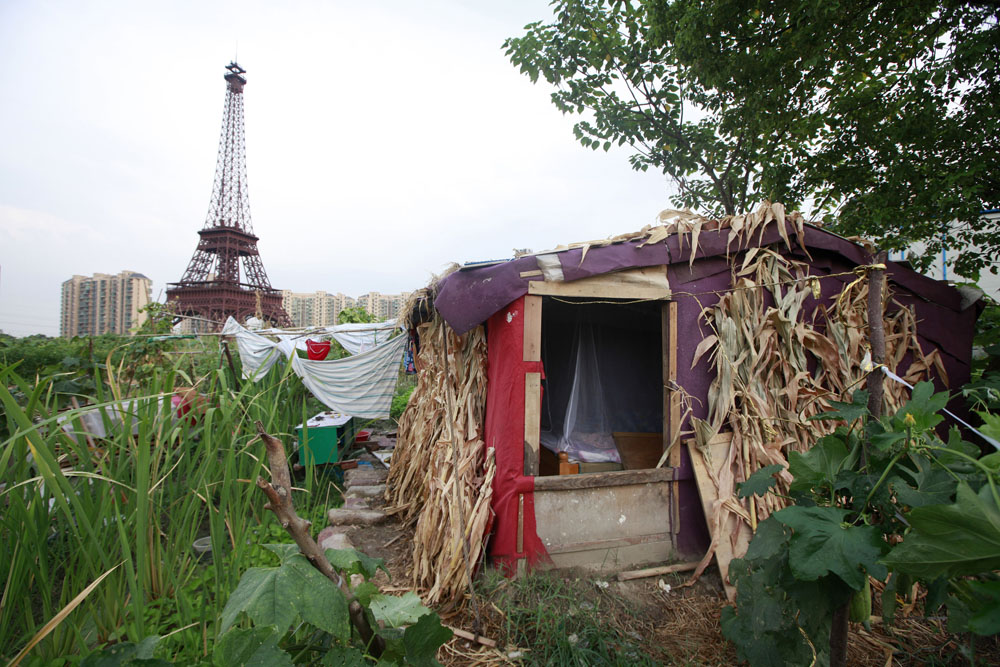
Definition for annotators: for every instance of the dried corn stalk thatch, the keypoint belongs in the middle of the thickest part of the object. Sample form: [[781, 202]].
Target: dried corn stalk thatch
[[449, 504], [686, 224], [774, 369]]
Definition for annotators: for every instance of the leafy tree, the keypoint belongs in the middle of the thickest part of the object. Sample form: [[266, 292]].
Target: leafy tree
[[879, 116], [355, 315]]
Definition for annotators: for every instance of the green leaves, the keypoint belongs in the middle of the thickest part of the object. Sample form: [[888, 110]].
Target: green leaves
[[280, 596], [951, 540], [923, 407], [822, 543], [277, 598], [849, 412], [422, 640], [419, 642], [352, 561], [761, 481], [818, 467], [396, 611], [253, 647]]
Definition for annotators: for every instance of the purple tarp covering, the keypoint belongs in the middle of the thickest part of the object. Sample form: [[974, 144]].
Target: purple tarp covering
[[468, 297]]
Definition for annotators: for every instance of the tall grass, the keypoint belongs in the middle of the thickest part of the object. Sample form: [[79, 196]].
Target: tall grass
[[72, 508]]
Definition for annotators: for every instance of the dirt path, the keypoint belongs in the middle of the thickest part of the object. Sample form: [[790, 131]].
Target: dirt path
[[671, 622]]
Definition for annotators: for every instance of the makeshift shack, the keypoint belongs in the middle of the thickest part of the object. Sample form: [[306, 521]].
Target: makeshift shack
[[568, 400]]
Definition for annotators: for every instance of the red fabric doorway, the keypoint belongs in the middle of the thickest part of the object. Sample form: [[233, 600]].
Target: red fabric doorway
[[505, 432]]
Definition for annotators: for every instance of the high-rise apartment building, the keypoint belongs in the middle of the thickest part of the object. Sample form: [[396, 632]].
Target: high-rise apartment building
[[316, 309], [321, 309], [103, 303], [383, 306]]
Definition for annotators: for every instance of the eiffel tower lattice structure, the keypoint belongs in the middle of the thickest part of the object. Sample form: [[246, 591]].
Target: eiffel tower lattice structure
[[212, 288]]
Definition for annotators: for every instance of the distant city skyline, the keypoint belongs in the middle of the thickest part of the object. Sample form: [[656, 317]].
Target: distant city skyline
[[384, 142], [103, 303], [321, 308]]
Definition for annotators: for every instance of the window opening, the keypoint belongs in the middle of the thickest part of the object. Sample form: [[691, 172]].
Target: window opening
[[602, 402]]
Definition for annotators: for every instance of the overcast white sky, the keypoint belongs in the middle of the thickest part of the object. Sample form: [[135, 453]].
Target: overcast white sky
[[385, 139]]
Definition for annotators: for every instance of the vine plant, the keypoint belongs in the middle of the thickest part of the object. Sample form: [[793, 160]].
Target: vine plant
[[919, 509]]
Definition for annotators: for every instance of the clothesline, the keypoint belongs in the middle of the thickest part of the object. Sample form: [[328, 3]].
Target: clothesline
[[361, 385]]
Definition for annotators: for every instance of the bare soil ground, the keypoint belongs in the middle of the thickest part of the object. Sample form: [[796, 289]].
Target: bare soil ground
[[679, 627]]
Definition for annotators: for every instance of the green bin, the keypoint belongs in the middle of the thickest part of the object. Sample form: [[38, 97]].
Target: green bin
[[324, 437]]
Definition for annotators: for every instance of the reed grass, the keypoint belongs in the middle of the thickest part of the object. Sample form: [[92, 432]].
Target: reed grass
[[129, 506]]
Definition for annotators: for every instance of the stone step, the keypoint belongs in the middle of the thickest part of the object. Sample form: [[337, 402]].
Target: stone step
[[355, 503], [333, 537], [365, 475], [366, 491], [350, 517]]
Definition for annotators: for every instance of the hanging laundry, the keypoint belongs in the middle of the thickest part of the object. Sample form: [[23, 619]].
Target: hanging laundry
[[361, 386]]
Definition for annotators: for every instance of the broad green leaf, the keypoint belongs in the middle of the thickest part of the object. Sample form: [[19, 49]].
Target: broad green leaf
[[396, 611], [985, 617], [316, 599], [822, 543], [849, 412], [923, 406], [127, 654], [343, 656], [931, 485], [364, 592], [352, 561], [257, 594], [769, 541], [761, 481], [283, 551], [952, 540], [992, 461], [253, 647], [422, 640], [818, 467], [991, 425]]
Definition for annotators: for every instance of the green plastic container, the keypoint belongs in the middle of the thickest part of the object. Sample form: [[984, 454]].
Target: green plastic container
[[324, 444]]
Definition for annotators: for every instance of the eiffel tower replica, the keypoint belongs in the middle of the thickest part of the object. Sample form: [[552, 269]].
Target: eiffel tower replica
[[212, 288]]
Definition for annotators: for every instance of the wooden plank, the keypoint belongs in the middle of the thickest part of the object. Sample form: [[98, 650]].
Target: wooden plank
[[615, 559], [649, 282], [479, 639], [722, 532], [531, 274], [520, 523], [665, 343], [675, 416], [596, 480], [657, 571], [533, 328], [608, 544], [675, 397], [606, 527], [532, 421]]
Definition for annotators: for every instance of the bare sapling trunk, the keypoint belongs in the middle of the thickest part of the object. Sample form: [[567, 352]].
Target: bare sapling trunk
[[876, 331], [279, 496]]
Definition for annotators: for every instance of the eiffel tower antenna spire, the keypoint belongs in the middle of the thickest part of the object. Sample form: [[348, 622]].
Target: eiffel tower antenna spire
[[212, 287]]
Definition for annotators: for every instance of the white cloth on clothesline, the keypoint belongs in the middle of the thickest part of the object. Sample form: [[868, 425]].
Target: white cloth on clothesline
[[361, 385], [257, 353]]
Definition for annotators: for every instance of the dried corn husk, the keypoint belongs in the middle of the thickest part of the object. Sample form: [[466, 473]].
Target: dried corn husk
[[450, 504], [765, 390]]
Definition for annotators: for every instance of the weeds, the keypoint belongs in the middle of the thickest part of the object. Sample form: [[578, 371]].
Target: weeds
[[558, 621], [74, 507]]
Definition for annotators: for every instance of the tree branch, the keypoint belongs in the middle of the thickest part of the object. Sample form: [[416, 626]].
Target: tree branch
[[279, 501]]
